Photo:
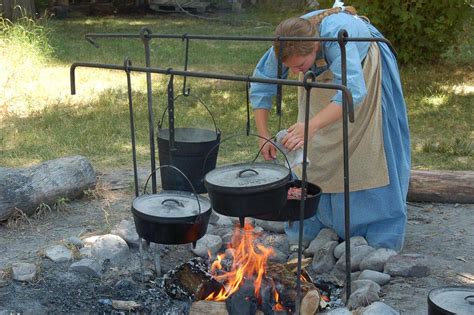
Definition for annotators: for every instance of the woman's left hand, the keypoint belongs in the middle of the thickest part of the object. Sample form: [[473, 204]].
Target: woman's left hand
[[295, 137]]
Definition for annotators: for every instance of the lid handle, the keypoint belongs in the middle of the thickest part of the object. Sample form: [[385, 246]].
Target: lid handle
[[180, 204], [470, 299], [247, 170]]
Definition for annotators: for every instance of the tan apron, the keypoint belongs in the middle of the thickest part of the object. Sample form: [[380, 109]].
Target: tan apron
[[367, 162]]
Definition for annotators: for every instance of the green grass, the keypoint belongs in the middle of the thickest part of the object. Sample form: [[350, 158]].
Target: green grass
[[39, 120]]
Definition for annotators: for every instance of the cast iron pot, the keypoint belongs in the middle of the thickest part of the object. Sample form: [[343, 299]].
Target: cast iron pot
[[291, 210], [248, 189], [451, 300], [171, 217]]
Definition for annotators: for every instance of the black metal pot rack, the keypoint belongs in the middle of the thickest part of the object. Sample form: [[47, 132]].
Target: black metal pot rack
[[308, 83]]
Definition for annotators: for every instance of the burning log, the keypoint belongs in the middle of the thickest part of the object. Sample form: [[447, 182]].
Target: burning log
[[190, 280], [208, 307]]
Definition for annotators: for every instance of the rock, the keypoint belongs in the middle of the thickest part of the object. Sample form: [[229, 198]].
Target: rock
[[357, 254], [86, 252], [355, 241], [227, 238], [373, 286], [378, 308], [126, 230], [325, 236], [340, 311], [377, 259], [23, 271], [278, 256], [111, 247], [74, 241], [91, 239], [87, 266], [271, 226], [324, 260], [125, 285], [59, 253], [407, 265], [363, 296], [220, 220], [377, 277], [207, 243]]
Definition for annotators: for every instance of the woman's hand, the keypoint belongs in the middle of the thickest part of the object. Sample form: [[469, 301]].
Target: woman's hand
[[268, 150], [295, 137]]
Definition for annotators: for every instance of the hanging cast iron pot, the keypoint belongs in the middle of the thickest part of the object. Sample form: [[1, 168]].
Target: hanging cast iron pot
[[171, 217]]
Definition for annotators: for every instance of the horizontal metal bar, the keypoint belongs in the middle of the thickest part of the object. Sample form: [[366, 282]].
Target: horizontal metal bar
[[207, 75]]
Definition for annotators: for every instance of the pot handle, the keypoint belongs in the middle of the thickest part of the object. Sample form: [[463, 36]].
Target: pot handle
[[238, 135], [180, 204], [187, 179], [160, 122], [247, 170]]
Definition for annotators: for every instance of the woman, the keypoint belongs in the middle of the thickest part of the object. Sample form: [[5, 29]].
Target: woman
[[379, 145]]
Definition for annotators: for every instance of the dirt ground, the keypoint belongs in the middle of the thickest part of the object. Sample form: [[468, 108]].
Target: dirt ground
[[441, 231]]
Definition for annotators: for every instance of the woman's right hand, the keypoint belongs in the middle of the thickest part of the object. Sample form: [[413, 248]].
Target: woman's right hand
[[268, 150]]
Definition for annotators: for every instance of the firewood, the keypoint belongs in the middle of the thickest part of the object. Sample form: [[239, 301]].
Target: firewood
[[27, 188], [310, 303], [190, 280], [442, 186], [207, 308]]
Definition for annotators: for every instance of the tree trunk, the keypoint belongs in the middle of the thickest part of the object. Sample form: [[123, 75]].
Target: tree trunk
[[26, 189], [15, 9], [442, 186]]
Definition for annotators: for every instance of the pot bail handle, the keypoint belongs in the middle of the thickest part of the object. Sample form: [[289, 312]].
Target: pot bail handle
[[187, 179], [469, 299], [247, 170]]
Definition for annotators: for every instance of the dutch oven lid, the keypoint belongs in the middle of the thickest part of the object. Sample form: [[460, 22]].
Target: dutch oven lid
[[170, 204], [248, 175], [455, 300]]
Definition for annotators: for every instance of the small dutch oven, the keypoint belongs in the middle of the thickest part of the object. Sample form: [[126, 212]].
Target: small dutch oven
[[451, 300], [171, 217]]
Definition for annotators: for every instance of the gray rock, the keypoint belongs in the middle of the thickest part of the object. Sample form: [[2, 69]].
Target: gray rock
[[91, 240], [227, 238], [373, 286], [74, 241], [278, 256], [87, 266], [339, 311], [23, 271], [407, 265], [377, 259], [258, 230], [271, 226], [279, 241], [325, 236], [362, 297], [59, 253], [111, 247], [125, 285], [220, 220], [207, 243], [357, 254], [378, 308], [126, 230], [355, 241], [324, 260], [378, 277], [86, 252]]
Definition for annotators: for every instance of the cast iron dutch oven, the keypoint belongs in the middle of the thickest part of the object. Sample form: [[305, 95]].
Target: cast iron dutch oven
[[451, 300], [171, 217], [248, 189]]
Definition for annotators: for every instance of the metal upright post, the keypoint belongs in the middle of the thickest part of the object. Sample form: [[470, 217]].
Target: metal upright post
[[145, 37]]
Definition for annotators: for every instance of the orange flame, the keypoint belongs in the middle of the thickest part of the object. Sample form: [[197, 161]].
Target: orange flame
[[278, 306], [248, 262]]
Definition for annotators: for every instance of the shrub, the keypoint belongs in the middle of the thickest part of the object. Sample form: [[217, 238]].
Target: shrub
[[420, 30]]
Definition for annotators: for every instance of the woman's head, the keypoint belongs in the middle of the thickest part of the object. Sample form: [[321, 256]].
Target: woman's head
[[296, 55]]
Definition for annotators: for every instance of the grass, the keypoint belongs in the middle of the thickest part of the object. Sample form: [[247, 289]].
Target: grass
[[40, 120]]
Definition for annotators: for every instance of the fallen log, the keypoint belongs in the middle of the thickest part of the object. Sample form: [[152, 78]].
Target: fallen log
[[208, 307], [441, 186], [27, 188]]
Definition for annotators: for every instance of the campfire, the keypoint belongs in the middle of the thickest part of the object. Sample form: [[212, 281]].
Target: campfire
[[243, 281]]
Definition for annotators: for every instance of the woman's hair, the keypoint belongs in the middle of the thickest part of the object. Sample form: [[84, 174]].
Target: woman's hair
[[299, 27]]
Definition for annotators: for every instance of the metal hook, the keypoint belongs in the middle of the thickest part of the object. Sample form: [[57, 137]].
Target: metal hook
[[145, 34], [127, 63], [90, 40], [306, 78]]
